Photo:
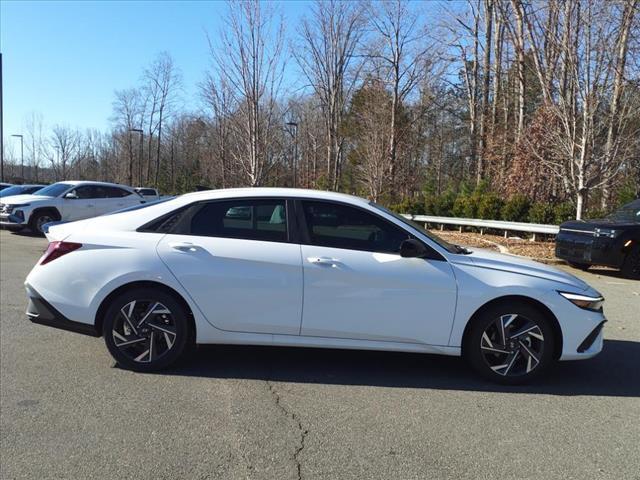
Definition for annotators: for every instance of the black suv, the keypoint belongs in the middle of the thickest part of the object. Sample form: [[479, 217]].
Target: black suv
[[613, 241]]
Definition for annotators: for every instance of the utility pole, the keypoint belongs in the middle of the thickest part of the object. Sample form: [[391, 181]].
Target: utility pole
[[1, 130], [21, 155]]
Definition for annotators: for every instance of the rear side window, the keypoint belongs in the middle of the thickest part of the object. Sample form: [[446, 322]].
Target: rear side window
[[341, 226], [115, 192], [245, 219], [146, 191]]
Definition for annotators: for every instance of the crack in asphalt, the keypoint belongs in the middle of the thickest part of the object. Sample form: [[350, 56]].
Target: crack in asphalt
[[294, 417]]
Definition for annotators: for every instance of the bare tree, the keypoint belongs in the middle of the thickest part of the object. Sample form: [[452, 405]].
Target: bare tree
[[162, 80], [403, 57], [327, 57], [127, 115], [250, 64], [65, 141], [35, 142]]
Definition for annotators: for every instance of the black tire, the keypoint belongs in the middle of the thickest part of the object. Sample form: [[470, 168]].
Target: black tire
[[580, 266], [631, 265], [164, 331], [515, 356], [40, 218]]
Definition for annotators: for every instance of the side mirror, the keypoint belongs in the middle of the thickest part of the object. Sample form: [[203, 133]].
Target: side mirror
[[412, 248], [71, 195]]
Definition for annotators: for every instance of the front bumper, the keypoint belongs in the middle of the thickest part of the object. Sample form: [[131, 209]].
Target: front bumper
[[588, 249], [9, 220], [42, 312]]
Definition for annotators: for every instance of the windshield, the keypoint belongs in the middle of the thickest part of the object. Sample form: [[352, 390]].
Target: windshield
[[15, 190], [54, 190], [444, 244], [625, 214]]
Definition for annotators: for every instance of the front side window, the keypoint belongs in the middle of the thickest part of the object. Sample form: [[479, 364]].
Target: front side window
[[244, 219], [341, 226], [87, 191]]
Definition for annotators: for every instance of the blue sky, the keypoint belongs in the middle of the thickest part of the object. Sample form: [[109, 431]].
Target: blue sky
[[65, 59]]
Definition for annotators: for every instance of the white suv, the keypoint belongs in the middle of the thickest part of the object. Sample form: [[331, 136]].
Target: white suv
[[65, 201]]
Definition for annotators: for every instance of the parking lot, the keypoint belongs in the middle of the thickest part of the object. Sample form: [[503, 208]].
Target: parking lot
[[66, 411]]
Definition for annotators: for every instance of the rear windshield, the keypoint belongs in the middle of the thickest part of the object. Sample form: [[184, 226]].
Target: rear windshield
[[138, 207]]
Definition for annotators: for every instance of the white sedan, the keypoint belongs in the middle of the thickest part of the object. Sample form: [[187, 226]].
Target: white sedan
[[304, 268]]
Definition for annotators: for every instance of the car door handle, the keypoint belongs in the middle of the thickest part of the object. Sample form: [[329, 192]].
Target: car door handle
[[184, 246], [323, 261], [91, 205]]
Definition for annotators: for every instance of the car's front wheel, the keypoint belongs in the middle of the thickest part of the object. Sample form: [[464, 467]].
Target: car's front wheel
[[631, 266], [510, 343], [146, 330]]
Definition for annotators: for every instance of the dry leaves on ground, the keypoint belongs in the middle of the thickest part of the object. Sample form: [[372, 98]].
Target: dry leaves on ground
[[517, 246]]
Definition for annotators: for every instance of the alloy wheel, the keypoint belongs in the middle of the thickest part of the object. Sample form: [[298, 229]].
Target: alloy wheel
[[512, 345], [144, 331], [41, 221]]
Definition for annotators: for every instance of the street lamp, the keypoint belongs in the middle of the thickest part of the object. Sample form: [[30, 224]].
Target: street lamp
[[139, 130], [21, 155], [294, 134]]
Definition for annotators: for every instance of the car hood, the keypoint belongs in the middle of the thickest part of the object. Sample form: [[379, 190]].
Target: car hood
[[22, 199], [514, 264], [592, 225]]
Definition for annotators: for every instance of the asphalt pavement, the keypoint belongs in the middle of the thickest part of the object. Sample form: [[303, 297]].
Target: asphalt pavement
[[66, 411]]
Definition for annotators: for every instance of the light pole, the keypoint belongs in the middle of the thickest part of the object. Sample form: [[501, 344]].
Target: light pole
[[294, 134], [139, 130], [21, 155]]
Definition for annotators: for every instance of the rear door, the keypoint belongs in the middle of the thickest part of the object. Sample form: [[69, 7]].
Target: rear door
[[237, 261], [118, 198]]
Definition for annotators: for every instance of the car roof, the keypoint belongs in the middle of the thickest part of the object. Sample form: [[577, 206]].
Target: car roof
[[273, 192], [88, 182]]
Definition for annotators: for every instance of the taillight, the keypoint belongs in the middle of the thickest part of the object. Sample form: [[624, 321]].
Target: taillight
[[58, 249]]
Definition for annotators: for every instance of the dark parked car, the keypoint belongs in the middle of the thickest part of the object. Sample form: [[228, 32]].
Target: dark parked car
[[20, 190], [613, 241]]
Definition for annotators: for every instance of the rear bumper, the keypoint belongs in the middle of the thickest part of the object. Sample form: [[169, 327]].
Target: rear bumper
[[42, 312]]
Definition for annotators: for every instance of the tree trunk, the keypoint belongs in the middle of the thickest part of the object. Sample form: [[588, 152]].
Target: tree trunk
[[486, 77]]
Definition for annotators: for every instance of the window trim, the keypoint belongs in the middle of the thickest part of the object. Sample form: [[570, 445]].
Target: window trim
[[290, 222], [305, 236]]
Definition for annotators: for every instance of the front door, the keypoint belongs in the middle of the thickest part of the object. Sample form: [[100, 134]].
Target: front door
[[357, 286], [80, 204], [235, 260]]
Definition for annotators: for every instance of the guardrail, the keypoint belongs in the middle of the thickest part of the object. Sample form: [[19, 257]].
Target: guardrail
[[532, 228]]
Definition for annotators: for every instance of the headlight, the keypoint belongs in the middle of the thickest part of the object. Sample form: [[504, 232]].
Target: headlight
[[584, 301]]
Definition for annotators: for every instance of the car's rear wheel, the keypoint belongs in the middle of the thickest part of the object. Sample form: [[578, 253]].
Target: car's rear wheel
[[146, 330], [631, 266], [510, 343]]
